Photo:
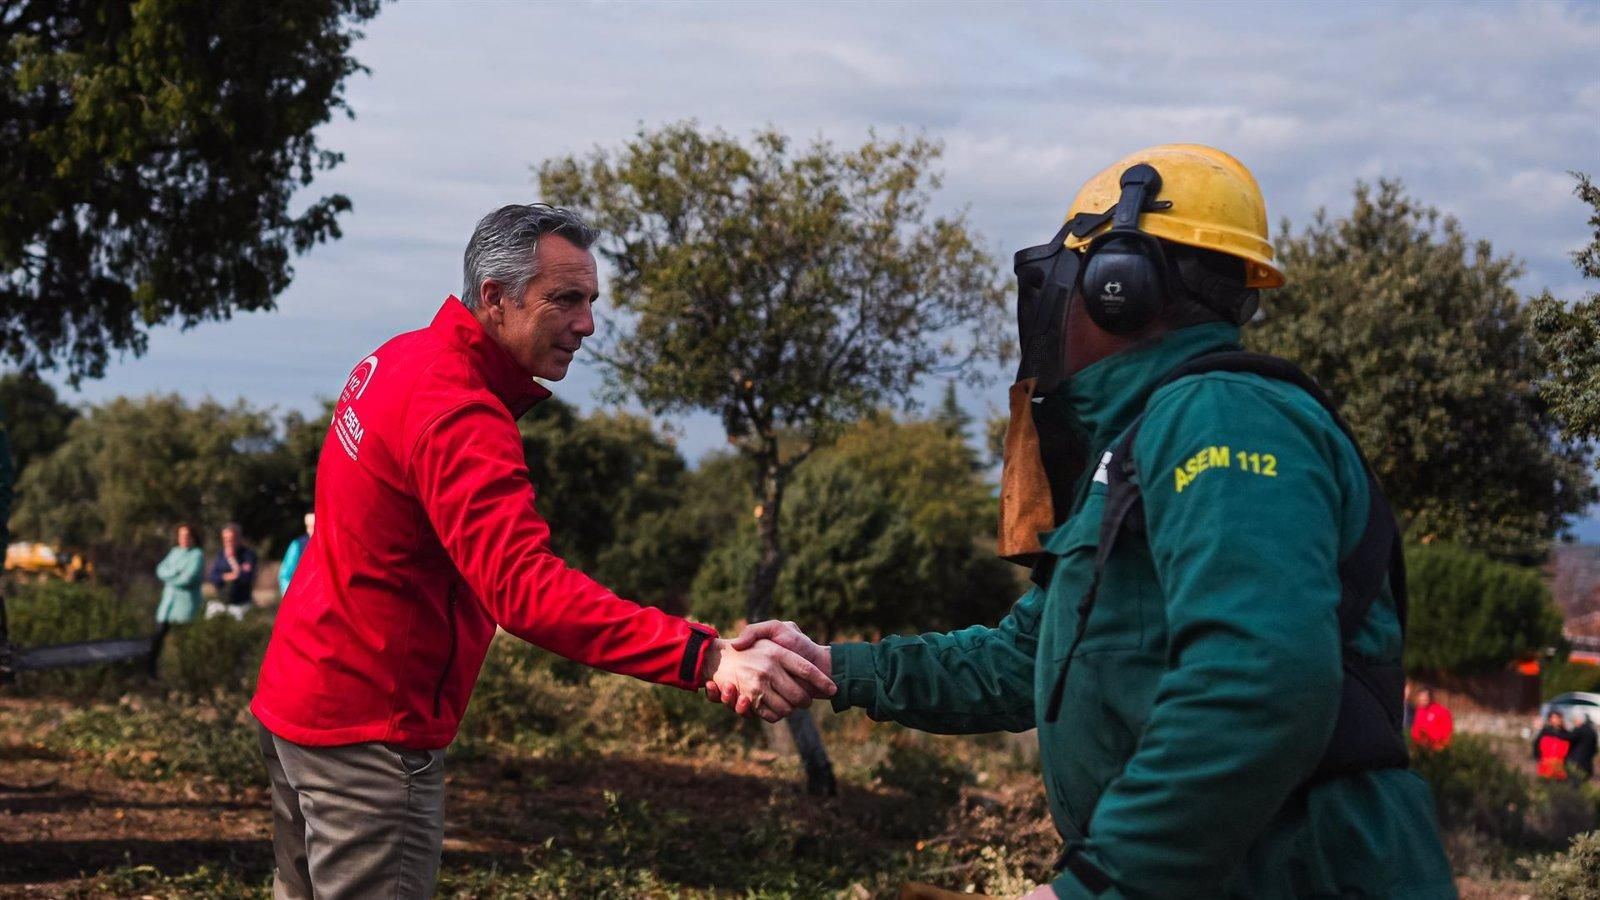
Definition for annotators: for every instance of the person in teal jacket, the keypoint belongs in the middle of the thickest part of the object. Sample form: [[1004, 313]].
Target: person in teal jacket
[[291, 556], [181, 572], [1183, 712]]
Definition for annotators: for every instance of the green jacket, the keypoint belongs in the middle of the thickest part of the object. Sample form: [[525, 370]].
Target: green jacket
[[1207, 681], [180, 573]]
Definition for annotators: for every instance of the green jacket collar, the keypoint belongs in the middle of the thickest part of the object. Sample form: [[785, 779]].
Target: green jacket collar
[[1107, 396]]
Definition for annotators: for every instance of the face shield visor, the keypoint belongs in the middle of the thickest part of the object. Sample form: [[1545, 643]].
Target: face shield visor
[[1042, 457]]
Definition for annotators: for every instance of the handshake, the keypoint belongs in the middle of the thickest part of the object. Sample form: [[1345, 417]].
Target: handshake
[[770, 670]]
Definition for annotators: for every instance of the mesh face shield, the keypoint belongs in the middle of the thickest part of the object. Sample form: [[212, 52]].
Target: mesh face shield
[[1040, 453]]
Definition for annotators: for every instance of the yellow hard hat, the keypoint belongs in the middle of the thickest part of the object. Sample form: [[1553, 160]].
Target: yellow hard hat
[[1215, 205]]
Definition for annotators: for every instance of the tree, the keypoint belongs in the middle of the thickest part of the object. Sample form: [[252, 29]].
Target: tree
[[1470, 614], [788, 289], [1570, 337], [34, 416], [132, 469], [951, 415], [892, 529], [611, 489], [1420, 337], [148, 156]]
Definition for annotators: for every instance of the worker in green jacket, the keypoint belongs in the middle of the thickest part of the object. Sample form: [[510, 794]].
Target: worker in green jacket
[[1186, 697]]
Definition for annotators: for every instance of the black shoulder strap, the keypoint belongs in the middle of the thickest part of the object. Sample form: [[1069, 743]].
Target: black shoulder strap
[[1378, 554]]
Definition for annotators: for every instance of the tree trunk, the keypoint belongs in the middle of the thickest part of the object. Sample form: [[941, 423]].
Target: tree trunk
[[769, 563]]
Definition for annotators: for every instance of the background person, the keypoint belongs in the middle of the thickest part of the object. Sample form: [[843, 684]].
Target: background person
[[429, 540], [1581, 752], [291, 556], [1431, 723], [1550, 748], [180, 572], [233, 574]]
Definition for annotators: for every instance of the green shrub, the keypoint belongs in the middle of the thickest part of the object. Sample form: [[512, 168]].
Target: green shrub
[[519, 698], [59, 612], [1574, 875], [1475, 789], [535, 700], [923, 772], [217, 654], [158, 740], [1471, 614], [1491, 812]]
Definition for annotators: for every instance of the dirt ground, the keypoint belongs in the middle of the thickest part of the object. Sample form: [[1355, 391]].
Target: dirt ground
[[65, 818]]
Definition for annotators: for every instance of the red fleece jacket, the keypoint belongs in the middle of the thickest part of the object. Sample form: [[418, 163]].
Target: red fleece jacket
[[426, 539]]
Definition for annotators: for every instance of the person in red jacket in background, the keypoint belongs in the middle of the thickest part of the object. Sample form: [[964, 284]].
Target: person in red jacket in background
[[1550, 747], [1431, 723], [427, 539]]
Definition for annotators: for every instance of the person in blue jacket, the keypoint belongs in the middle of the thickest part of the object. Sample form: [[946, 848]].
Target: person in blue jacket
[[233, 574], [291, 557]]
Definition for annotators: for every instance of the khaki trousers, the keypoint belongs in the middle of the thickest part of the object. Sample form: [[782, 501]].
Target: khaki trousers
[[358, 821]]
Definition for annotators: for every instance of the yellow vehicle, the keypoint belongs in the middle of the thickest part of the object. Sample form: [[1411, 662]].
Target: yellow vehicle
[[30, 559]]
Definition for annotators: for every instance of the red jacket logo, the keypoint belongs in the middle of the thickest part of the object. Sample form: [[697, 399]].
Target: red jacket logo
[[345, 423], [359, 379]]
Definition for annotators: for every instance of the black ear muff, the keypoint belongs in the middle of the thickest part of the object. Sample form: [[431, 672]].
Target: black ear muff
[[1123, 284], [1124, 275]]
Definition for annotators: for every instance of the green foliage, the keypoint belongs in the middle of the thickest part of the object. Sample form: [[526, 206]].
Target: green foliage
[[1420, 336], [1561, 676], [33, 416], [889, 528], [1476, 791], [149, 154], [1574, 875], [1471, 614], [159, 741], [923, 772], [1569, 337], [58, 612], [216, 655], [149, 881], [532, 700], [611, 488], [788, 289], [132, 468], [779, 285]]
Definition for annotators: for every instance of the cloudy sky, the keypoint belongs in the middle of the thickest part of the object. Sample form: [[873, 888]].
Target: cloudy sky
[[1481, 108]]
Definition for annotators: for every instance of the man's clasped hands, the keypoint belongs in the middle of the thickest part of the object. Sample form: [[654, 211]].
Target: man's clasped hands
[[770, 670]]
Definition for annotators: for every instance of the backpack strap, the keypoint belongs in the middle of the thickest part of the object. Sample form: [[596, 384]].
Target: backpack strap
[[1368, 733]]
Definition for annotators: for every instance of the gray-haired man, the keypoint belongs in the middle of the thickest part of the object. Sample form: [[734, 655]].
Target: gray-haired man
[[426, 540]]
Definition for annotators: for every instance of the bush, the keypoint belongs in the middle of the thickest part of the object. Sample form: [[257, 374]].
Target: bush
[[59, 612], [1574, 875], [1492, 812], [1475, 789], [534, 700], [1471, 614], [218, 654], [160, 740], [923, 772]]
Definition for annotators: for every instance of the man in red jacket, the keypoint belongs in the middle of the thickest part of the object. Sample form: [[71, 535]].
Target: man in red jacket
[[427, 539], [1431, 724]]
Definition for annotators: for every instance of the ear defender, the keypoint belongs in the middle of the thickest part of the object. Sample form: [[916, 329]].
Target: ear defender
[[1124, 277], [1123, 288]]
